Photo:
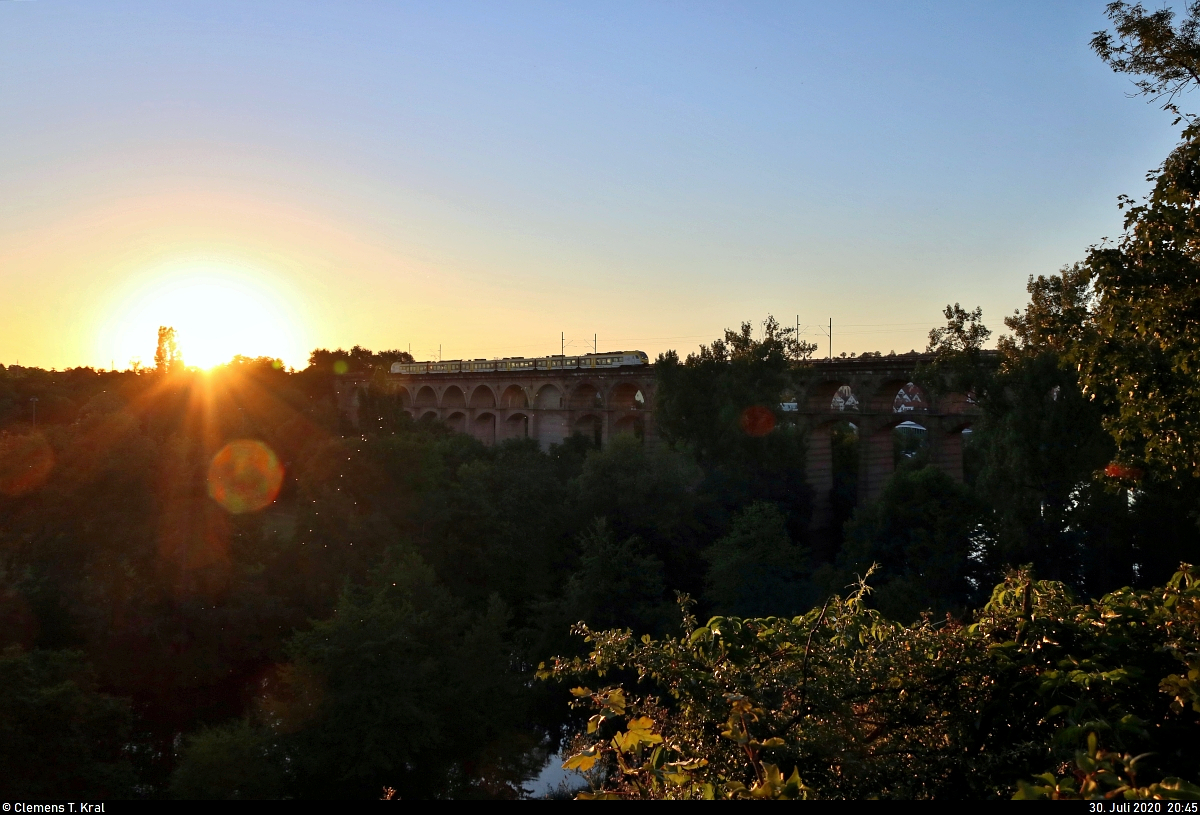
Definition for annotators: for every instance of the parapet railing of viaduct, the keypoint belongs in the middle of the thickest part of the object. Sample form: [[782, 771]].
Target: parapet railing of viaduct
[[875, 394]]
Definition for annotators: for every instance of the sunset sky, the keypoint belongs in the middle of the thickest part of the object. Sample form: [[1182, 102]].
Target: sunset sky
[[273, 177]]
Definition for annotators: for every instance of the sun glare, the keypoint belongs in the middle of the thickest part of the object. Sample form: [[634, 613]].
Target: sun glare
[[215, 318]]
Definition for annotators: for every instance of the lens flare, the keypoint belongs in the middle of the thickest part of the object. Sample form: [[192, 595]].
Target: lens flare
[[244, 476], [1123, 471], [757, 420], [25, 463]]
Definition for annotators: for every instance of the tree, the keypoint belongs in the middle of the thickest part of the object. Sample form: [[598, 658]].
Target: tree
[[723, 404], [617, 585], [1057, 318], [1041, 450], [1147, 44], [358, 360], [403, 687], [756, 569], [925, 533], [964, 333], [239, 760], [167, 356], [702, 400], [1040, 446], [59, 736], [648, 493], [1143, 362], [960, 364], [1144, 358]]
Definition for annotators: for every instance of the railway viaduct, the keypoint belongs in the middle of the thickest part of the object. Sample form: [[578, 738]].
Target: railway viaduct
[[545, 405], [875, 394]]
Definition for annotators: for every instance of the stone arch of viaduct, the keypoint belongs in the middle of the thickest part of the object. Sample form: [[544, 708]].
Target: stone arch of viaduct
[[871, 393]]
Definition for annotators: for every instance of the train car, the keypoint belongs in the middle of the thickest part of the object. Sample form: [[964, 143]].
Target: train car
[[610, 359]]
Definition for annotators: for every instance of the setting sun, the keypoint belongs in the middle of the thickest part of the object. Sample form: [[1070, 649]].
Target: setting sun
[[215, 317]]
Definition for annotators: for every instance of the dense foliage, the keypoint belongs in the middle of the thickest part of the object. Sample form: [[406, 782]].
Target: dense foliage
[[843, 703], [59, 736]]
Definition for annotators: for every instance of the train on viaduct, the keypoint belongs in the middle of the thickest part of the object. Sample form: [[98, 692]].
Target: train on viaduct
[[602, 395]]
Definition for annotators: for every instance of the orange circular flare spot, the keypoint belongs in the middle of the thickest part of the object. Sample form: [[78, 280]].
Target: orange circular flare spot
[[25, 463], [757, 420], [1123, 471], [244, 476]]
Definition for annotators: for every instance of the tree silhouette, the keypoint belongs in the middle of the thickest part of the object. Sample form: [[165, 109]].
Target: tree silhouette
[[167, 356]]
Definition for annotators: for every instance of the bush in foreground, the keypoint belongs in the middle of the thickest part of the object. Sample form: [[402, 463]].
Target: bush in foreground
[[843, 703]]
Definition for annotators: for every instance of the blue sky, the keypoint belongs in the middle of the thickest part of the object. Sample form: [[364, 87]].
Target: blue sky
[[482, 176]]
